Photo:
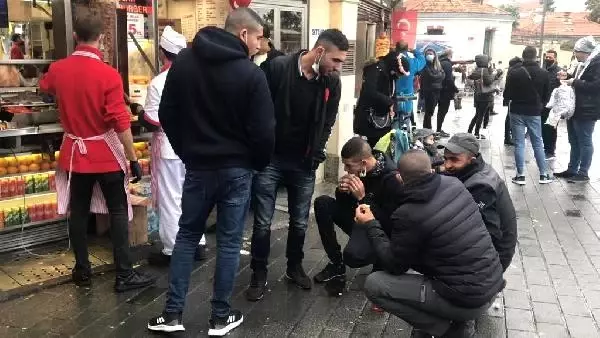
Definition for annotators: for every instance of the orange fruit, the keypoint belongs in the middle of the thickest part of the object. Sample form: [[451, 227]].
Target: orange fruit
[[138, 154], [24, 160], [34, 167], [146, 153], [45, 166], [12, 170], [3, 171], [23, 168], [2, 162], [11, 161], [36, 158]]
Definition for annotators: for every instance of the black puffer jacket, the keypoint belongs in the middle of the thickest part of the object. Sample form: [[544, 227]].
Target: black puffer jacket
[[438, 231], [527, 88], [587, 90], [431, 78], [491, 195], [482, 73]]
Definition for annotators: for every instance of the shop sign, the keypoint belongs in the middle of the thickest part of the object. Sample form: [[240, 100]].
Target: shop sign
[[131, 7], [135, 25], [239, 3]]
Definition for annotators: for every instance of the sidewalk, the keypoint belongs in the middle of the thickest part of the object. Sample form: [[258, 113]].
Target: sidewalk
[[553, 284]]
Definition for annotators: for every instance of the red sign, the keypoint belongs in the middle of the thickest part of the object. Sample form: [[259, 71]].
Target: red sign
[[239, 3], [404, 27]]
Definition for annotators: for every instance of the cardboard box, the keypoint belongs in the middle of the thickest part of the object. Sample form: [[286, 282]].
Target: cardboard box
[[138, 227]]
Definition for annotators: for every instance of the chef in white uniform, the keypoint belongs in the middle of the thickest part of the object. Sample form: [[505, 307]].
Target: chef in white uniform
[[168, 171]]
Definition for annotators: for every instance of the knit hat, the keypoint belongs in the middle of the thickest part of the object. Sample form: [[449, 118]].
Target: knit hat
[[585, 45], [172, 41]]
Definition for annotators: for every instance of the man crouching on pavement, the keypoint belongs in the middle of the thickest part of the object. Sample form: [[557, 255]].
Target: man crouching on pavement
[[437, 231], [463, 161], [366, 169]]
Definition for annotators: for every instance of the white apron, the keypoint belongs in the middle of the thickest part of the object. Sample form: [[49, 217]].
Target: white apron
[[63, 178]]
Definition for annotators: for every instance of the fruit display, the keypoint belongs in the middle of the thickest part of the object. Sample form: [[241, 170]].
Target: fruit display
[[27, 184], [32, 213], [142, 150], [23, 164]]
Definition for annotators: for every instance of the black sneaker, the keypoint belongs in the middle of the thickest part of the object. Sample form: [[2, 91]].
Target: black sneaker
[[135, 280], [159, 259], [419, 334], [166, 322], [443, 134], [295, 274], [330, 272], [545, 179], [335, 287], [258, 286], [461, 330], [219, 327], [81, 278], [520, 180], [565, 174], [200, 254], [480, 137], [579, 178], [508, 142]]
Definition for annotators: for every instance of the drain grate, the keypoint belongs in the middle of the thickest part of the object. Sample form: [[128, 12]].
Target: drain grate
[[578, 197], [573, 213]]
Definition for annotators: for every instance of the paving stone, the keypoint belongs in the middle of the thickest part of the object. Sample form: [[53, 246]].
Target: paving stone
[[560, 272], [546, 330], [543, 294], [547, 313], [582, 327], [515, 282], [537, 278], [566, 287], [520, 320], [592, 298], [574, 306], [521, 334], [517, 299]]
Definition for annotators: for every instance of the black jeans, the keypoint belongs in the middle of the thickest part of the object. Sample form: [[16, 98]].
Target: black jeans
[[481, 108], [116, 201], [328, 212], [486, 117], [507, 131], [443, 107], [549, 133], [431, 98], [412, 298]]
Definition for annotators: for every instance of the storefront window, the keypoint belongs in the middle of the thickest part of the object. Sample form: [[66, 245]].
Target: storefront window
[[287, 25], [291, 31], [25, 30], [268, 16]]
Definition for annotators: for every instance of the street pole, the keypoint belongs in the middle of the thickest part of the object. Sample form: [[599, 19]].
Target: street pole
[[544, 8]]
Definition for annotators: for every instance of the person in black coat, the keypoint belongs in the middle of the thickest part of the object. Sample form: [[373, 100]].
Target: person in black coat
[[447, 93], [515, 62], [437, 231], [375, 106], [549, 134], [363, 183], [432, 78], [483, 77], [586, 83]]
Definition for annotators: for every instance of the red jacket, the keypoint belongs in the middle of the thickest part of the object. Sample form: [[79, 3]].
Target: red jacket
[[16, 53], [91, 101]]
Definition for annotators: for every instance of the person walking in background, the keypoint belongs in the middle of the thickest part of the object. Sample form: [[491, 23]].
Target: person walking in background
[[449, 90], [168, 171], [96, 147], [221, 142], [549, 134], [527, 89], [17, 48], [405, 85], [484, 92], [306, 90], [586, 83], [515, 62], [432, 77], [267, 51]]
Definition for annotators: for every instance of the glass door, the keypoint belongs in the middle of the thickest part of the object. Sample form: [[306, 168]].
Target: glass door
[[287, 25]]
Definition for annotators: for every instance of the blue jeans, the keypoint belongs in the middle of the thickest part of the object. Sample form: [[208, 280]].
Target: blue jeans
[[582, 145], [300, 185], [533, 125], [229, 189]]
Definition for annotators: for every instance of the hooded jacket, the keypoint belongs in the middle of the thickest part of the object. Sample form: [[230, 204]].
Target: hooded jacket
[[587, 87], [437, 230], [527, 89], [449, 88], [281, 73], [491, 195], [483, 73], [216, 109]]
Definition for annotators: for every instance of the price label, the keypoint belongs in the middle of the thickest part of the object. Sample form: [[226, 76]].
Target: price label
[[135, 25]]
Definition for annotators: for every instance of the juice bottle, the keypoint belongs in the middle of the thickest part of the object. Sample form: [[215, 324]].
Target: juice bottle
[[48, 211], [12, 187], [32, 213]]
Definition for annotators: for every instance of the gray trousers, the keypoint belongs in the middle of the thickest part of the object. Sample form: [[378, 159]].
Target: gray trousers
[[412, 298]]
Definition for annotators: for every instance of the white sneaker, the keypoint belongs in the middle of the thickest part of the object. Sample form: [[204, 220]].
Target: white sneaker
[[545, 179], [221, 326]]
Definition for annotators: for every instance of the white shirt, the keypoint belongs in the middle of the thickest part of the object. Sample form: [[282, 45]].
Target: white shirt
[[153, 96]]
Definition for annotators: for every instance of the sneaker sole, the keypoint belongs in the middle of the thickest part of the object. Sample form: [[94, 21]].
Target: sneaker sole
[[328, 279], [226, 329], [519, 183], [292, 281], [546, 181], [166, 328]]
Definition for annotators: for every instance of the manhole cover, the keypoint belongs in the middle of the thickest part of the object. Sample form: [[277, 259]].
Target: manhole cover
[[573, 213], [578, 197]]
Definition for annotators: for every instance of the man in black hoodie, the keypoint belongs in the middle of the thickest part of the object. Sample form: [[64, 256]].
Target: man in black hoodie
[[549, 132], [437, 231], [306, 91], [448, 92], [219, 118]]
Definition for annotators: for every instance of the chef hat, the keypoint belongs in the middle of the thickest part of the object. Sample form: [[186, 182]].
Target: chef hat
[[585, 45], [171, 41]]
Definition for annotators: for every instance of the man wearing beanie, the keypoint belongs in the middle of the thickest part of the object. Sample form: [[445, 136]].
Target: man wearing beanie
[[527, 91], [580, 127], [168, 172]]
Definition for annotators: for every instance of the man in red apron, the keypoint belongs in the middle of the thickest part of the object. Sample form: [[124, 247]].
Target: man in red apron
[[91, 176]]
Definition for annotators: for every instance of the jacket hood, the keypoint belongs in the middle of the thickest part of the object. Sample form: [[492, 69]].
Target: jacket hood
[[212, 43], [482, 61], [419, 191]]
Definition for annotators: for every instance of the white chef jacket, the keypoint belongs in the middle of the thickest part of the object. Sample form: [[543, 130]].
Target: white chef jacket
[[155, 90]]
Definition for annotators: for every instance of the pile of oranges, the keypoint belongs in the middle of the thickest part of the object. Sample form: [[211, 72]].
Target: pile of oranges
[[26, 164], [142, 149]]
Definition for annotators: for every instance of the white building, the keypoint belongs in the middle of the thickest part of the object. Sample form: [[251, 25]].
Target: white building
[[468, 26]]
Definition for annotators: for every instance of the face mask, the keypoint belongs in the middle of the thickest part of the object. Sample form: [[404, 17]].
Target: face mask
[[317, 64], [430, 57]]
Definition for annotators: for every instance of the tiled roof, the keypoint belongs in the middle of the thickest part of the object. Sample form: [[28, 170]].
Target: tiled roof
[[559, 24], [451, 6]]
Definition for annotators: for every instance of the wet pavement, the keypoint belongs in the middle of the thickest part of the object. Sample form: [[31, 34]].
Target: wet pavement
[[552, 290]]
